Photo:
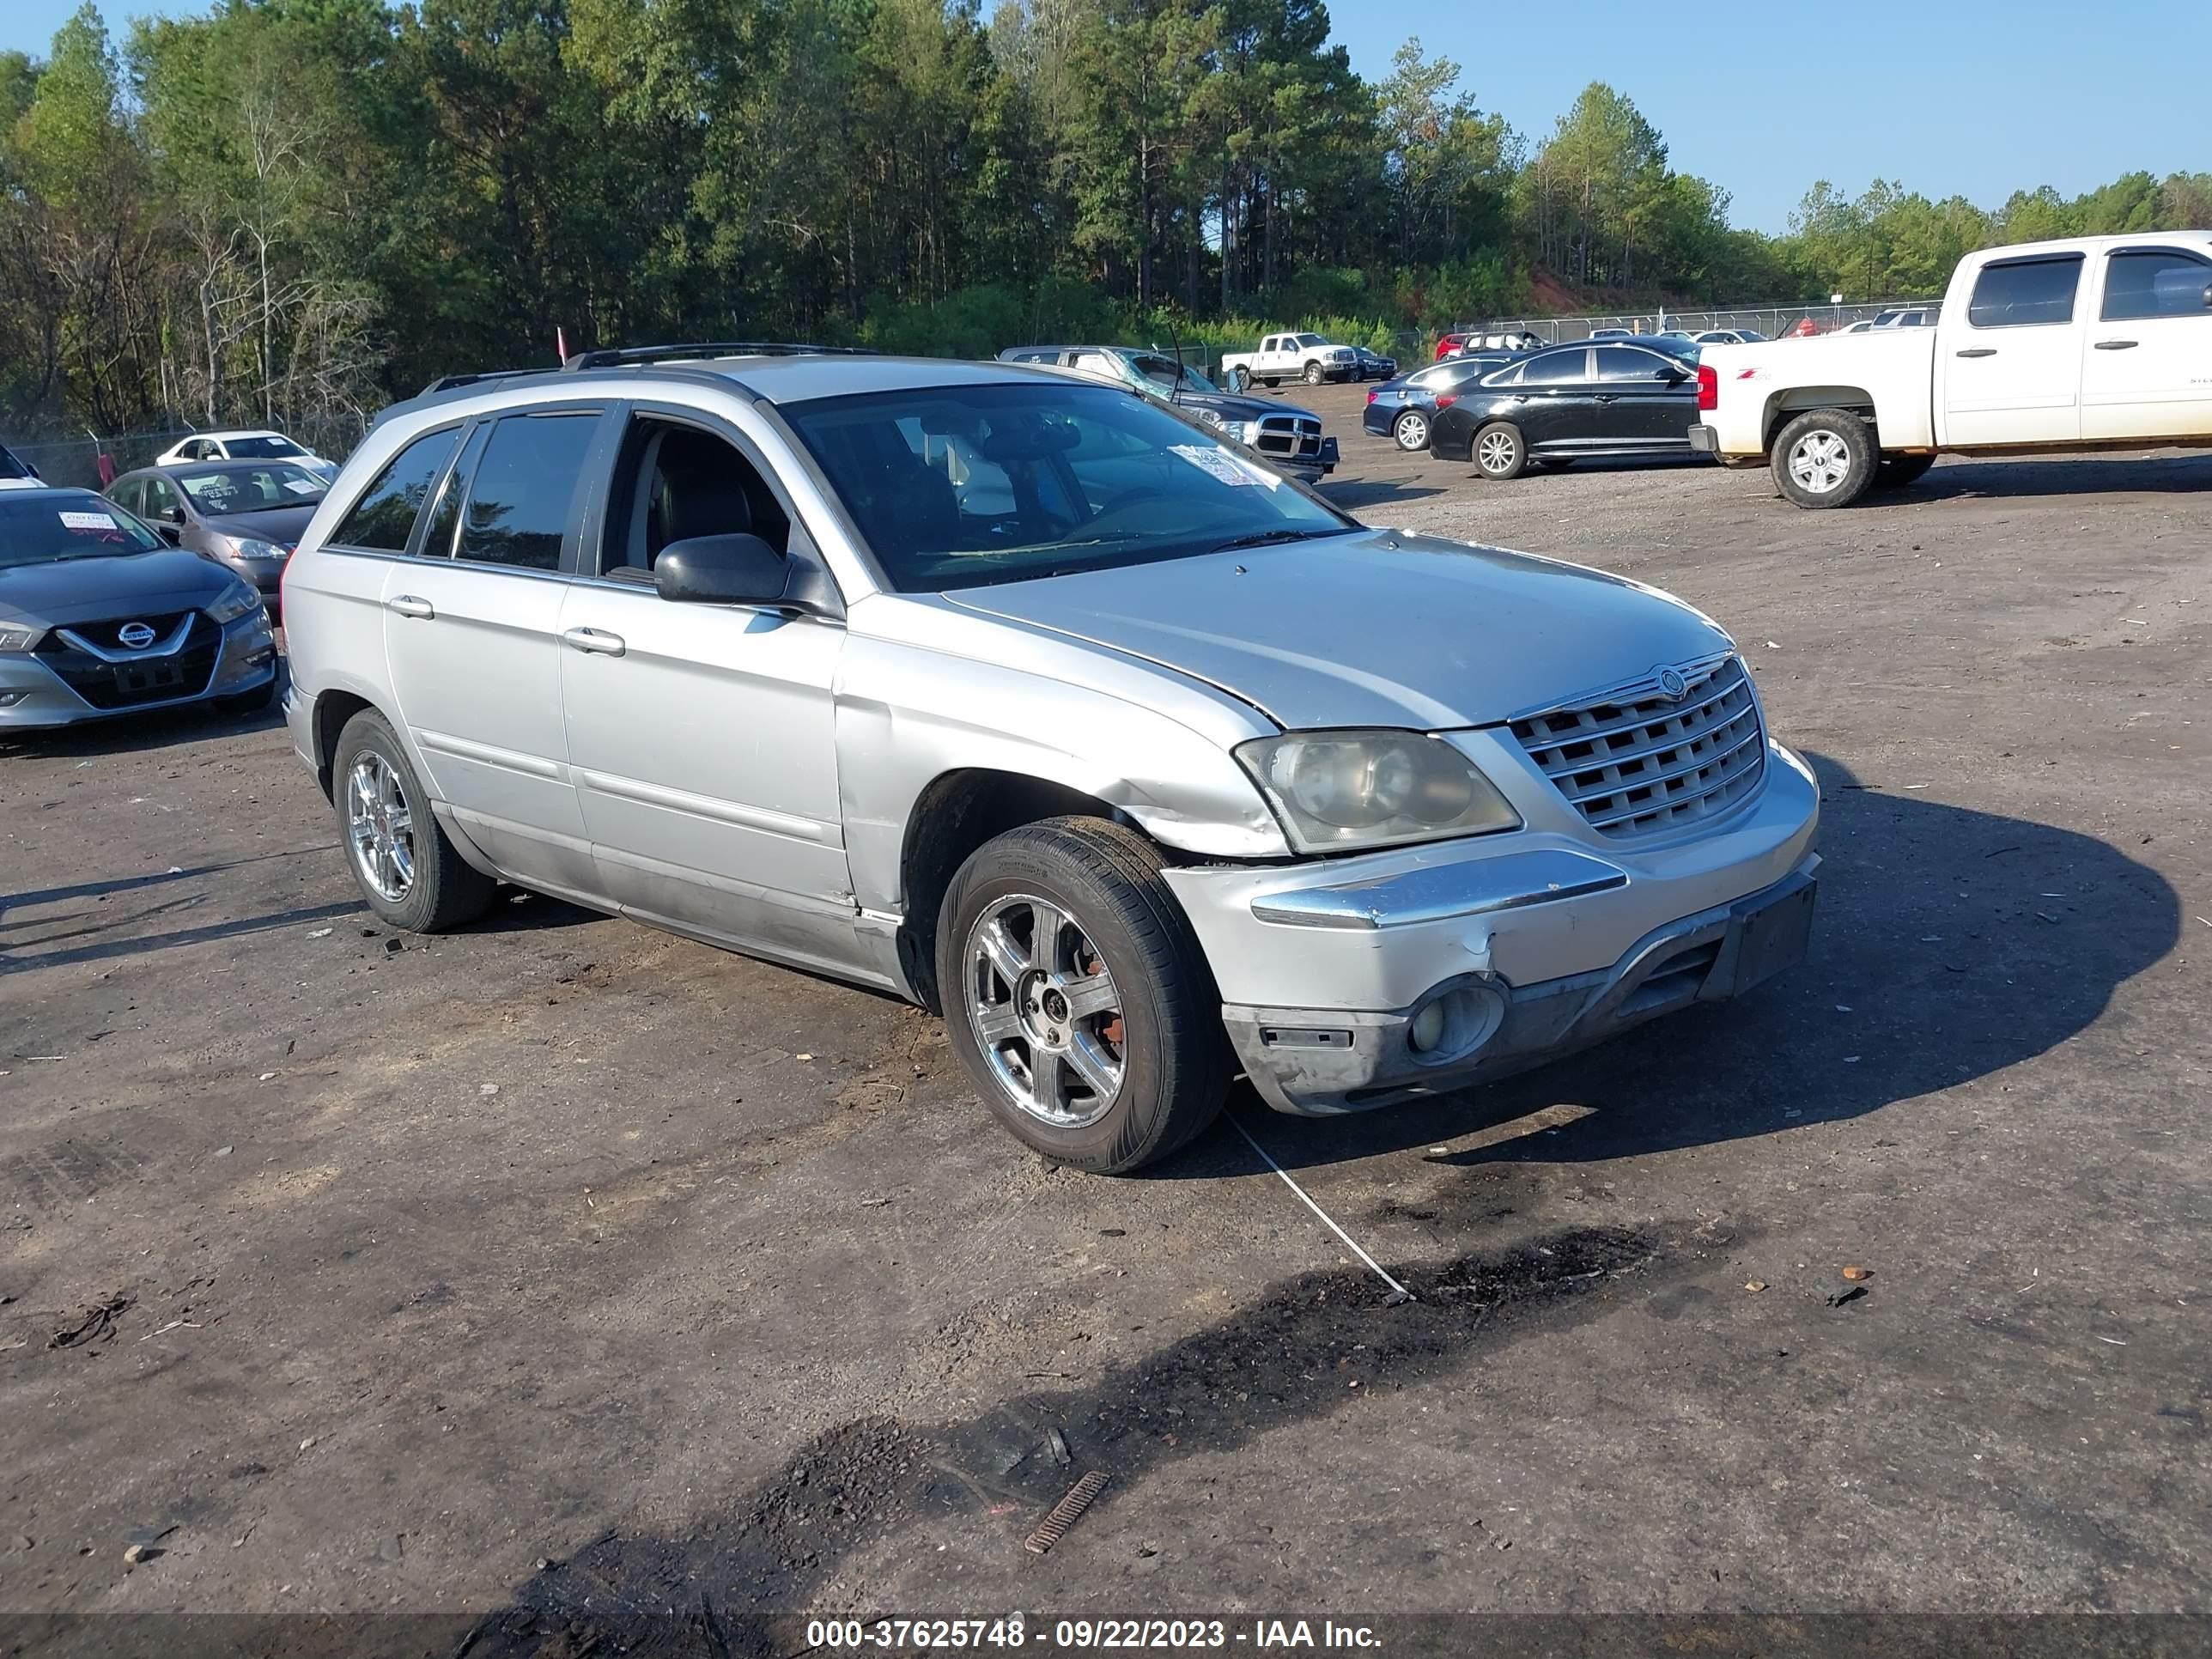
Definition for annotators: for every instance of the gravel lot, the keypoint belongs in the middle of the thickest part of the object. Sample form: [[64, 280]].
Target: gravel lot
[[564, 1273]]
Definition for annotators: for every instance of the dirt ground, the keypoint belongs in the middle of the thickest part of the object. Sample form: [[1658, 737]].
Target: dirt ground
[[571, 1277]]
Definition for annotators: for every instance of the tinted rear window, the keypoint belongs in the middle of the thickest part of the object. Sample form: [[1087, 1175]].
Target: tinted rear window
[[1555, 367], [2026, 293], [519, 499], [384, 518]]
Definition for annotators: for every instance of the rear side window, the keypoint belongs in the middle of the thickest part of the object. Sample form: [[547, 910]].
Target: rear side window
[[523, 487], [2156, 282], [384, 518], [1557, 368], [2026, 293]]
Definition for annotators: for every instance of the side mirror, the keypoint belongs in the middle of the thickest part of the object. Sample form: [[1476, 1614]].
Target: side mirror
[[171, 515], [739, 570], [1674, 376]]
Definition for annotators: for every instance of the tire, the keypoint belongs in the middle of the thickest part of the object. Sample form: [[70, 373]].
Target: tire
[[441, 890], [1410, 431], [1500, 452], [1269, 382], [1315, 375], [1158, 998], [1824, 457], [1896, 471], [246, 703]]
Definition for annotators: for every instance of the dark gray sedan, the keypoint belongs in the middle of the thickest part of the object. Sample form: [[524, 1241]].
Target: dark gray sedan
[[248, 514], [98, 618]]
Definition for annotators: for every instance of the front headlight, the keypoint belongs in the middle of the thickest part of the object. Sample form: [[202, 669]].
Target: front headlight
[[235, 601], [247, 547], [1337, 790], [1245, 432], [19, 639]]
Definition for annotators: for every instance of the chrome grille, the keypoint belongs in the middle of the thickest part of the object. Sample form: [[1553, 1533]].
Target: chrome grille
[[1646, 762], [1298, 435]]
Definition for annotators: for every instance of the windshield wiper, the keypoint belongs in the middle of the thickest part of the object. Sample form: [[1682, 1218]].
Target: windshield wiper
[[1280, 533]]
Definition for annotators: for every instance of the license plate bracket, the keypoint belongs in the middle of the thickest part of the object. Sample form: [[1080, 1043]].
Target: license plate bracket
[[1774, 935]]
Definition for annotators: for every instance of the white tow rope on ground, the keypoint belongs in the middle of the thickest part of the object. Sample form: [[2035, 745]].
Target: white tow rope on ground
[[1307, 1198]]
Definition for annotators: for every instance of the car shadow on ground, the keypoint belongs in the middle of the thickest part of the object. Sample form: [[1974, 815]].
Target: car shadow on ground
[[1948, 944], [1995, 479], [1356, 492]]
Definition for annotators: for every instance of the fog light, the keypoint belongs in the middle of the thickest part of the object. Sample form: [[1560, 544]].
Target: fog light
[[1428, 1028], [10, 699]]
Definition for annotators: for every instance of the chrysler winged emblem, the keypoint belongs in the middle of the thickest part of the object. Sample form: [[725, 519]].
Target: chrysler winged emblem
[[1672, 685]]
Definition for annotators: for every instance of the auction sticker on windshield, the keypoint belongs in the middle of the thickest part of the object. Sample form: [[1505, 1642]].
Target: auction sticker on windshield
[[1229, 468], [87, 521]]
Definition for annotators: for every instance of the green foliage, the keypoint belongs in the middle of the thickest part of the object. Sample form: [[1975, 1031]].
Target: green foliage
[[290, 210]]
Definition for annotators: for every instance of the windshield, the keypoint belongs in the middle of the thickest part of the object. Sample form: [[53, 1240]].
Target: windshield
[[253, 488], [254, 449], [1162, 373], [961, 486], [46, 529]]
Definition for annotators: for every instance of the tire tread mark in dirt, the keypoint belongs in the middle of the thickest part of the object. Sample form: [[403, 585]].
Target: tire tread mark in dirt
[[738, 1586]]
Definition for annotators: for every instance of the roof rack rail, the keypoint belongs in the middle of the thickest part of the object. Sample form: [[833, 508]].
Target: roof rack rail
[[661, 354], [448, 382]]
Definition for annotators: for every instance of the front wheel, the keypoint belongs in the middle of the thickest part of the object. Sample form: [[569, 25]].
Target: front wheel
[[1500, 452], [1313, 374], [1824, 457], [1896, 471], [1076, 996], [1412, 431], [405, 867]]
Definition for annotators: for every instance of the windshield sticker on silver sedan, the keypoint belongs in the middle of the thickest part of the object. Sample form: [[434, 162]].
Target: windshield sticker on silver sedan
[[1231, 469]]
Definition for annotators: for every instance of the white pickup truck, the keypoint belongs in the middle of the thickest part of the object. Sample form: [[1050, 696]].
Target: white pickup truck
[[2096, 343], [1281, 358]]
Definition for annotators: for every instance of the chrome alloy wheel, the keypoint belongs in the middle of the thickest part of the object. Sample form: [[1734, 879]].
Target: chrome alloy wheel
[[380, 828], [1413, 430], [1497, 451], [1819, 462], [1044, 1012]]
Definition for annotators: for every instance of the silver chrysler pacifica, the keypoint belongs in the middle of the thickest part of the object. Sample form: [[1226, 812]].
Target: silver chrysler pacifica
[[1035, 703]]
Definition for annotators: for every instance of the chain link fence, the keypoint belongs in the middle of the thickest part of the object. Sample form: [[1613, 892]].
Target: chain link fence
[[76, 461], [1772, 321]]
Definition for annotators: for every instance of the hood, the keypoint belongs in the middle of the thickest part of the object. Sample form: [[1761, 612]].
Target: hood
[[1230, 407], [1376, 629], [92, 590], [283, 526]]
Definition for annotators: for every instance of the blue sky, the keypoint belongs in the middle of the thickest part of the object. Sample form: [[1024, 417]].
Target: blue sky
[[1972, 97]]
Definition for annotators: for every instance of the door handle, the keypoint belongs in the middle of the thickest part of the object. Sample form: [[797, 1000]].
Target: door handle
[[1608, 397], [408, 604], [1979, 351], [597, 641], [2116, 346]]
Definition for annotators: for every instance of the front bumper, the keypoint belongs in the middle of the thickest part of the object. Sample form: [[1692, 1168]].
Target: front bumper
[[1535, 945], [33, 697]]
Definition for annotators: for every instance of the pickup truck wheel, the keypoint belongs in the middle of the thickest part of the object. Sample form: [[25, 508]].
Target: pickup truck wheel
[[1895, 471], [401, 860], [1313, 376], [1825, 458], [1500, 452], [1410, 431], [1076, 996], [1270, 382]]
